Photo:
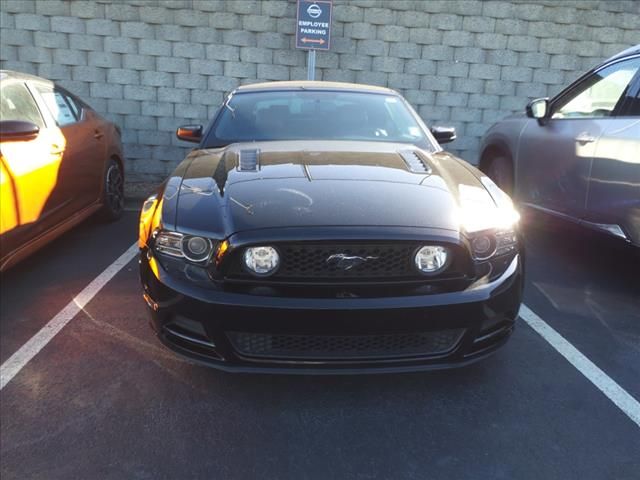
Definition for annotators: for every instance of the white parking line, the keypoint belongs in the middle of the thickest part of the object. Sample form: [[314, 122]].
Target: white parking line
[[614, 392], [19, 359], [10, 368]]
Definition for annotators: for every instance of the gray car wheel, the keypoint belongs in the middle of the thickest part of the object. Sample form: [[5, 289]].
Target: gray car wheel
[[500, 170], [113, 196]]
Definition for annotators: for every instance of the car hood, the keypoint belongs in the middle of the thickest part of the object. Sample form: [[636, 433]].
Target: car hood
[[251, 186]]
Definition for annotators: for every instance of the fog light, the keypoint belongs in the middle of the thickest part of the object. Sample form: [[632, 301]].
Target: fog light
[[261, 261], [431, 259]]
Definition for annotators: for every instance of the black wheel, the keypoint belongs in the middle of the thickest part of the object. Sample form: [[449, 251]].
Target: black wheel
[[113, 196], [500, 170]]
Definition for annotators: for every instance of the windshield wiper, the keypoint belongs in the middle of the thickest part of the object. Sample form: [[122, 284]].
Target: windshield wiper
[[228, 107]]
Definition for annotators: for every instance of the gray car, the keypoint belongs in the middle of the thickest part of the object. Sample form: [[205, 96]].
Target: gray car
[[577, 155]]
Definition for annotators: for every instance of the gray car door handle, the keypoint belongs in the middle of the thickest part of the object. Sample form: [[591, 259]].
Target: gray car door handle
[[584, 137]]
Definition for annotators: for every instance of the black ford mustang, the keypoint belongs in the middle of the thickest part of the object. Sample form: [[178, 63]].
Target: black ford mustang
[[319, 227]]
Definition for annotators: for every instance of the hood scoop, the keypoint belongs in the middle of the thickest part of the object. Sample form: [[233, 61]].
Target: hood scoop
[[415, 161], [249, 160]]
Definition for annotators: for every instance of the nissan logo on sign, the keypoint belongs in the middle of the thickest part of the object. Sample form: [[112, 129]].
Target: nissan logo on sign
[[314, 11]]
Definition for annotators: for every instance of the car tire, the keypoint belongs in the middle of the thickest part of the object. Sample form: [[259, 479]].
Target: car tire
[[113, 192], [500, 170]]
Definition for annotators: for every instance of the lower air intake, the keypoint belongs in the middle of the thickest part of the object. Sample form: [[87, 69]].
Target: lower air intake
[[344, 347]]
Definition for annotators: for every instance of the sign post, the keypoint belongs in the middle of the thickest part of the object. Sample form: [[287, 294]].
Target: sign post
[[311, 64], [313, 30]]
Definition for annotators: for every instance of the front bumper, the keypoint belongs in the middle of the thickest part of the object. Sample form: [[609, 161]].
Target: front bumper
[[250, 333]]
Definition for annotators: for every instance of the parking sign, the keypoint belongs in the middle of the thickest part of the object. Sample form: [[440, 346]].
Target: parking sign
[[313, 26]]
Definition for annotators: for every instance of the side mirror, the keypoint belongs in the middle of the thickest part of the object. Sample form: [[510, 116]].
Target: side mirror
[[190, 133], [444, 134], [18, 131], [538, 109]]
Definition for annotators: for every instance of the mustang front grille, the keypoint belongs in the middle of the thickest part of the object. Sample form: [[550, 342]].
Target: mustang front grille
[[344, 347], [330, 261], [351, 262], [317, 261]]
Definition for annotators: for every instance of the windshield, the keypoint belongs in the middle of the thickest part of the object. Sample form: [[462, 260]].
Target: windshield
[[316, 115]]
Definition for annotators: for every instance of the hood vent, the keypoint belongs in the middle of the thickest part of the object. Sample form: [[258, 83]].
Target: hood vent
[[415, 161], [249, 160]]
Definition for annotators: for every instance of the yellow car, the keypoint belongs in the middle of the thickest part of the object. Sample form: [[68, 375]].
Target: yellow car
[[59, 163]]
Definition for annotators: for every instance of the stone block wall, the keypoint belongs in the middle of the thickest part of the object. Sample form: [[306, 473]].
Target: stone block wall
[[151, 65]]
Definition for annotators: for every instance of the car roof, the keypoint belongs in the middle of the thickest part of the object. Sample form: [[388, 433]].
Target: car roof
[[313, 85], [13, 75], [625, 53]]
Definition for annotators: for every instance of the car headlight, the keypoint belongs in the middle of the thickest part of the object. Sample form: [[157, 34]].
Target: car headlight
[[483, 209], [506, 241], [483, 246], [488, 219], [261, 261], [169, 243], [488, 244], [432, 259], [192, 247], [196, 249]]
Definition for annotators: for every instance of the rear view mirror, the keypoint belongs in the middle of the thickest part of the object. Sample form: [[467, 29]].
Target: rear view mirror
[[190, 133], [538, 108], [18, 131], [444, 134]]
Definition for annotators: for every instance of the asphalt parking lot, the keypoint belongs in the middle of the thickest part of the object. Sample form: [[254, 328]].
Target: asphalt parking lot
[[103, 399]]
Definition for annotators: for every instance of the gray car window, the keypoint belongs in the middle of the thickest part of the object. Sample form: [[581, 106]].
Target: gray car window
[[57, 104], [16, 103], [599, 94], [77, 111]]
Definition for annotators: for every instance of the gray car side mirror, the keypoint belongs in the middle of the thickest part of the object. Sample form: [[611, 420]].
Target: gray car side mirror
[[538, 109]]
